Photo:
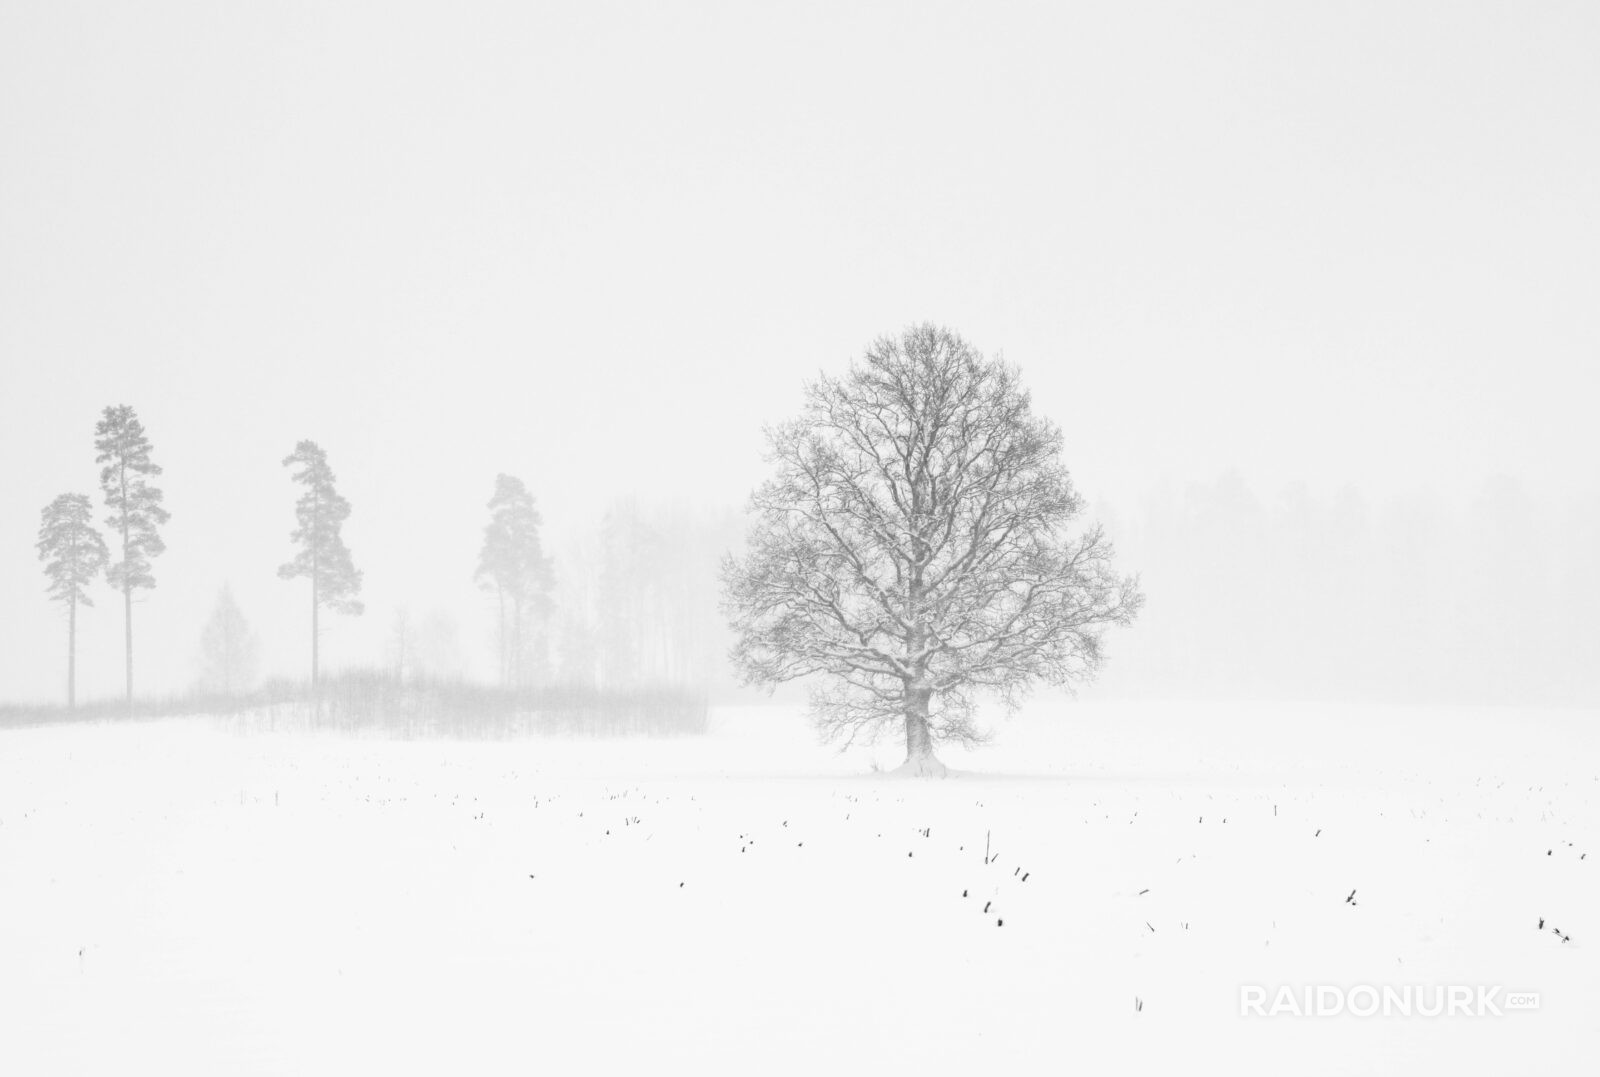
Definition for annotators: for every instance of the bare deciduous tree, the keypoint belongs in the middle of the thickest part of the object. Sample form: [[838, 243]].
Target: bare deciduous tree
[[914, 548]]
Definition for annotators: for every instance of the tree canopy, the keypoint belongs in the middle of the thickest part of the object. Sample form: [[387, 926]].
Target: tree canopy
[[512, 564], [321, 555], [915, 548], [72, 550], [124, 451]]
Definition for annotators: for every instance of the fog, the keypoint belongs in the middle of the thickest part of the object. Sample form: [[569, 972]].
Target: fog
[[457, 331], [1310, 292]]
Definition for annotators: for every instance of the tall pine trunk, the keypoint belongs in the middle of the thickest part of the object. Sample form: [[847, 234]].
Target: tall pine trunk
[[127, 635], [316, 575], [72, 653], [500, 625], [516, 641], [313, 626], [127, 584]]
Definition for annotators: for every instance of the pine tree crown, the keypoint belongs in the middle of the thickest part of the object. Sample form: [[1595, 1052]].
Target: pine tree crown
[[512, 557], [124, 450], [73, 551], [320, 512]]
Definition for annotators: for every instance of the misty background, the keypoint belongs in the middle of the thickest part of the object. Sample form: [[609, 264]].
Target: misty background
[[1310, 290]]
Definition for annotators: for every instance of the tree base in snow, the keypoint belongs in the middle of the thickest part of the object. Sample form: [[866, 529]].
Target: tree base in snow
[[922, 766]]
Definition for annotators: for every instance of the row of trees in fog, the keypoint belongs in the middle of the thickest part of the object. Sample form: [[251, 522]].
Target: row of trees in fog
[[639, 598], [636, 606], [75, 554]]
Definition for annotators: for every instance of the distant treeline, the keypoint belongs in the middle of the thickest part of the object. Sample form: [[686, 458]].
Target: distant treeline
[[1294, 594], [378, 703], [639, 607]]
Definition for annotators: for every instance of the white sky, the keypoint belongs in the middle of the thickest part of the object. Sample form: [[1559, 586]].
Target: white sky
[[597, 244]]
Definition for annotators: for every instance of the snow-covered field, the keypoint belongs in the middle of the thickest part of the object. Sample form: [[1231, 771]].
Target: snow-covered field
[[177, 897]]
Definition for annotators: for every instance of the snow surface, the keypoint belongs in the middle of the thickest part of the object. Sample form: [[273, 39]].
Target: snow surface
[[182, 897]]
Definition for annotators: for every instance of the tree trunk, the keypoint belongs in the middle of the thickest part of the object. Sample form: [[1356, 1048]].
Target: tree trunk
[[516, 641], [500, 632], [920, 759], [316, 575], [313, 631], [72, 653], [127, 585], [127, 634]]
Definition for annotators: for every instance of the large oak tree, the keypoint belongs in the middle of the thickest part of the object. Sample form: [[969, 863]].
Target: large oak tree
[[915, 549]]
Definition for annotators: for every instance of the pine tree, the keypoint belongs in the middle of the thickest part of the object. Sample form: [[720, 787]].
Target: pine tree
[[512, 565], [323, 557], [228, 648], [124, 453], [74, 554]]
